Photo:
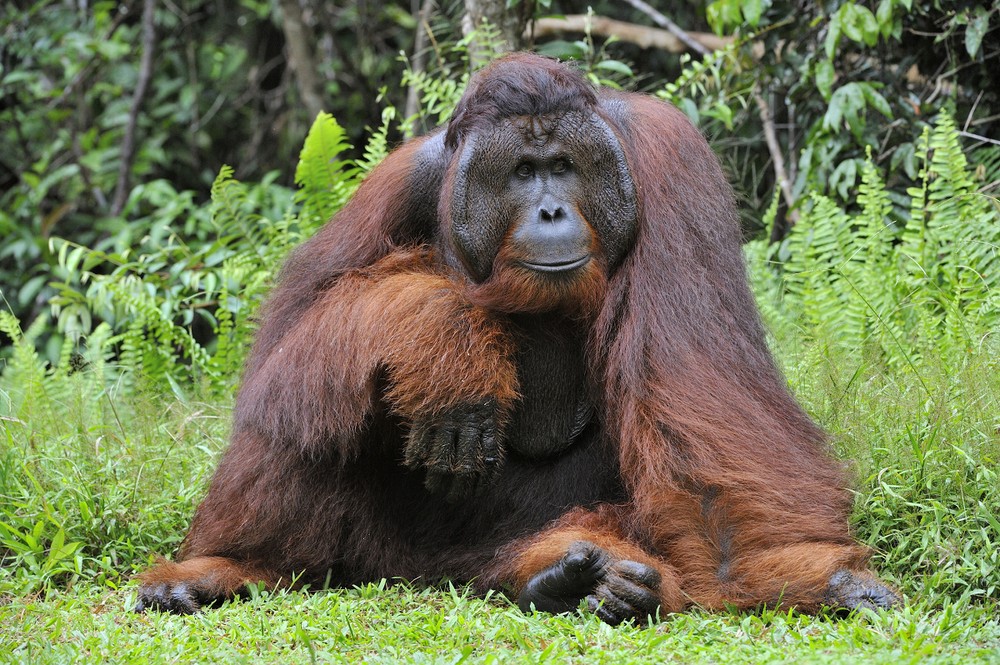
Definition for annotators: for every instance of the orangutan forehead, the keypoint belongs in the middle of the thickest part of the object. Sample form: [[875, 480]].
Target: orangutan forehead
[[540, 129]]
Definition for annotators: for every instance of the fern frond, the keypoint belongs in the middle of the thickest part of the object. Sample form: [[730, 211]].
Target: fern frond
[[325, 181], [25, 368], [912, 294], [377, 147]]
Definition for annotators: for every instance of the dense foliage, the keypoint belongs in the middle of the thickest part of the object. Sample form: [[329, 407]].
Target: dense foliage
[[911, 286], [825, 83], [835, 77], [125, 334], [909, 303]]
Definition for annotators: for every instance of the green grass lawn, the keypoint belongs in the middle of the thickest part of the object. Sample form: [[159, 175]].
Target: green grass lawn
[[97, 476], [88, 624], [95, 480]]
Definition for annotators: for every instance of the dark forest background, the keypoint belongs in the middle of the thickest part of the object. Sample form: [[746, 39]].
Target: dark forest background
[[158, 160], [116, 117]]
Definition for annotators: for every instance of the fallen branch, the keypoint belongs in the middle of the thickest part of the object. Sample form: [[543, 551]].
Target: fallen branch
[[662, 21], [640, 35]]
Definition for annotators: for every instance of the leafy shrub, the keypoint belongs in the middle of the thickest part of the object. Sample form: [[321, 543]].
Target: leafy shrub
[[924, 281], [888, 318], [826, 82], [182, 306], [67, 75]]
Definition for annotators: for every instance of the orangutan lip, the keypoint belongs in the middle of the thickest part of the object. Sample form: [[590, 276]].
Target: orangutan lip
[[563, 266]]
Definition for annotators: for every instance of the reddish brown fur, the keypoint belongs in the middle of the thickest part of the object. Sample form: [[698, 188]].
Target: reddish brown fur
[[215, 576], [412, 320], [702, 465], [514, 290], [729, 477]]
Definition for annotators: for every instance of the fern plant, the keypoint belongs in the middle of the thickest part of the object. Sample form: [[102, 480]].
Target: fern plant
[[181, 309], [325, 181], [910, 287], [24, 367]]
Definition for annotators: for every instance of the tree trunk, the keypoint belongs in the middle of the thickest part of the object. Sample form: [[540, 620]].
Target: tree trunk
[[142, 84], [508, 21], [298, 41]]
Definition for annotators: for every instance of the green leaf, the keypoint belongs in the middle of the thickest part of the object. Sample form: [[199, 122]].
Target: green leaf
[[17, 76], [884, 17], [824, 78], [985, 511], [562, 49], [974, 33], [905, 155], [833, 34], [30, 289], [851, 23], [859, 24], [723, 14], [846, 103], [752, 11], [844, 177], [869, 26], [876, 100], [721, 112], [615, 66], [690, 109]]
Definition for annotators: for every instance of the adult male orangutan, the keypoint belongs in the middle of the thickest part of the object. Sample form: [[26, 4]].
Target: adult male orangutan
[[525, 355]]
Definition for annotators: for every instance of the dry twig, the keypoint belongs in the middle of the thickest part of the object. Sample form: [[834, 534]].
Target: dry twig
[[145, 74], [662, 21], [774, 147]]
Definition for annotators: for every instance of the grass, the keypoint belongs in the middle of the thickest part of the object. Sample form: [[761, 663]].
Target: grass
[[96, 477], [401, 624]]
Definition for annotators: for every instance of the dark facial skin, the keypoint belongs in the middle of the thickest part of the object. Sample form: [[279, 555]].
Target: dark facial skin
[[554, 189], [551, 236]]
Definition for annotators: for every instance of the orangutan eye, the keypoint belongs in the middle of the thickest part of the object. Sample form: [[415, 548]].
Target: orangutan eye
[[525, 170], [560, 166]]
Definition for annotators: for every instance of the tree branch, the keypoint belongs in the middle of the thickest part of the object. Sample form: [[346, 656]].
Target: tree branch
[[662, 21], [640, 35], [979, 137], [419, 57], [300, 58], [145, 74], [774, 147]]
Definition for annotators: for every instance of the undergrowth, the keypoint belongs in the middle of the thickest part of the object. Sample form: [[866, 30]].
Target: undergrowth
[[94, 476], [885, 316], [182, 311], [107, 448]]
